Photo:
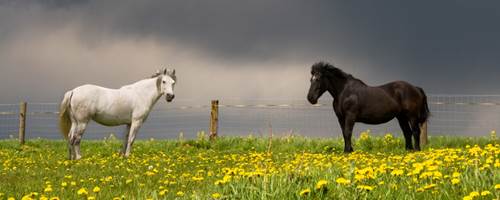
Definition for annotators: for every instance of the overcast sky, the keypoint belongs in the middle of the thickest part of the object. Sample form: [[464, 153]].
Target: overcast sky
[[246, 49]]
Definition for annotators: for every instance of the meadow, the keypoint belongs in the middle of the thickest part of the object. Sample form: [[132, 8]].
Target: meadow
[[251, 167]]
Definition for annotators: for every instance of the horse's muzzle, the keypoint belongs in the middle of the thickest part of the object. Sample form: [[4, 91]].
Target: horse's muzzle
[[170, 97], [312, 99]]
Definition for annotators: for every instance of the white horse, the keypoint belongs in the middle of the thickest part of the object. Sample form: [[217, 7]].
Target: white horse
[[129, 105]]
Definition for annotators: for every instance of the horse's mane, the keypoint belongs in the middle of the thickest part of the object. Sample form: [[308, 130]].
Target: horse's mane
[[164, 71], [330, 70]]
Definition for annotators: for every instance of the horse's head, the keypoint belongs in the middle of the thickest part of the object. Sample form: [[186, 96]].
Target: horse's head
[[165, 82], [318, 82]]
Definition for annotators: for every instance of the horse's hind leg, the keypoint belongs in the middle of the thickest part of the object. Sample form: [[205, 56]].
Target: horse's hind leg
[[415, 127], [71, 149], [77, 137], [405, 127], [125, 140]]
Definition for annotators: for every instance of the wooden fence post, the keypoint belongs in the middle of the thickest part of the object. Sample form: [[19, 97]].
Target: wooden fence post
[[214, 119], [423, 134], [22, 121]]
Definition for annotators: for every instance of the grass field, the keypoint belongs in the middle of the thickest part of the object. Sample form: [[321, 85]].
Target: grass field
[[254, 168]]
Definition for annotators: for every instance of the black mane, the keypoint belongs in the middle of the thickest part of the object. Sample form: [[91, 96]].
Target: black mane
[[330, 70]]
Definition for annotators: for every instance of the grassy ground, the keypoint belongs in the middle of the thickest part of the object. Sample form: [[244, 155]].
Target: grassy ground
[[254, 168]]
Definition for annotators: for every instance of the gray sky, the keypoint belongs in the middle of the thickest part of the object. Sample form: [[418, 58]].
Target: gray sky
[[246, 49]]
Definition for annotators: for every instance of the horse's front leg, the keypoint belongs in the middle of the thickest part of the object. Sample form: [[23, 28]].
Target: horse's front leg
[[125, 140], [134, 127], [347, 133]]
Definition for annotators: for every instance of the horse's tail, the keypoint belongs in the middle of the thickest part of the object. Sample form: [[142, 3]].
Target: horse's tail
[[64, 118], [424, 111]]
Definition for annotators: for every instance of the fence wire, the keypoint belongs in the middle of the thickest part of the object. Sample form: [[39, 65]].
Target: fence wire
[[9, 120], [471, 115]]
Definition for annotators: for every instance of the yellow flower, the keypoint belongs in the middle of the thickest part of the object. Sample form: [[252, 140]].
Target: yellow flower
[[163, 192], [219, 182], [455, 175], [321, 184], [180, 193], [96, 189], [397, 172], [82, 191], [364, 135], [430, 186], [485, 193], [474, 194], [365, 187], [48, 188], [342, 181], [64, 184], [497, 187], [54, 198], [305, 192], [11, 198], [90, 198], [216, 195], [455, 181], [128, 181]]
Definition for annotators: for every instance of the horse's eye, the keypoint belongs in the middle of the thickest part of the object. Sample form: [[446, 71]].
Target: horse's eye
[[164, 82]]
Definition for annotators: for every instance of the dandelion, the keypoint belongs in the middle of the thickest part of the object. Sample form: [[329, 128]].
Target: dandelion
[[321, 184], [163, 192], [128, 181], [54, 198], [397, 172], [364, 135], [474, 194], [48, 188], [305, 192], [64, 184], [497, 187], [216, 195], [430, 186], [180, 193], [219, 182], [342, 181], [82, 191], [485, 193], [455, 181], [96, 189], [365, 187], [91, 198]]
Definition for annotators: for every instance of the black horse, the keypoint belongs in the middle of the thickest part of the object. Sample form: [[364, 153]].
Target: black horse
[[354, 101]]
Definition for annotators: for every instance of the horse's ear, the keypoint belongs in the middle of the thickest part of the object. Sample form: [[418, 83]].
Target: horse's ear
[[173, 72], [165, 71], [155, 74]]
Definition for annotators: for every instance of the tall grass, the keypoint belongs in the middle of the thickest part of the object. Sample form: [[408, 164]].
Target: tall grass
[[290, 167]]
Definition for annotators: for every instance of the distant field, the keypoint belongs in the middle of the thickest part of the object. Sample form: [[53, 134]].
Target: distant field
[[254, 168]]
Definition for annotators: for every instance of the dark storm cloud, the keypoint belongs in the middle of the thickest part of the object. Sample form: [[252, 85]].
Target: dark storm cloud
[[443, 46]]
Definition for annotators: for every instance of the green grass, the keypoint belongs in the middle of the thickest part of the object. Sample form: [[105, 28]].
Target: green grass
[[252, 168]]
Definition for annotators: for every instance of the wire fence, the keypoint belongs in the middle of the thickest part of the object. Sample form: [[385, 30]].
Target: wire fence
[[465, 115]]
